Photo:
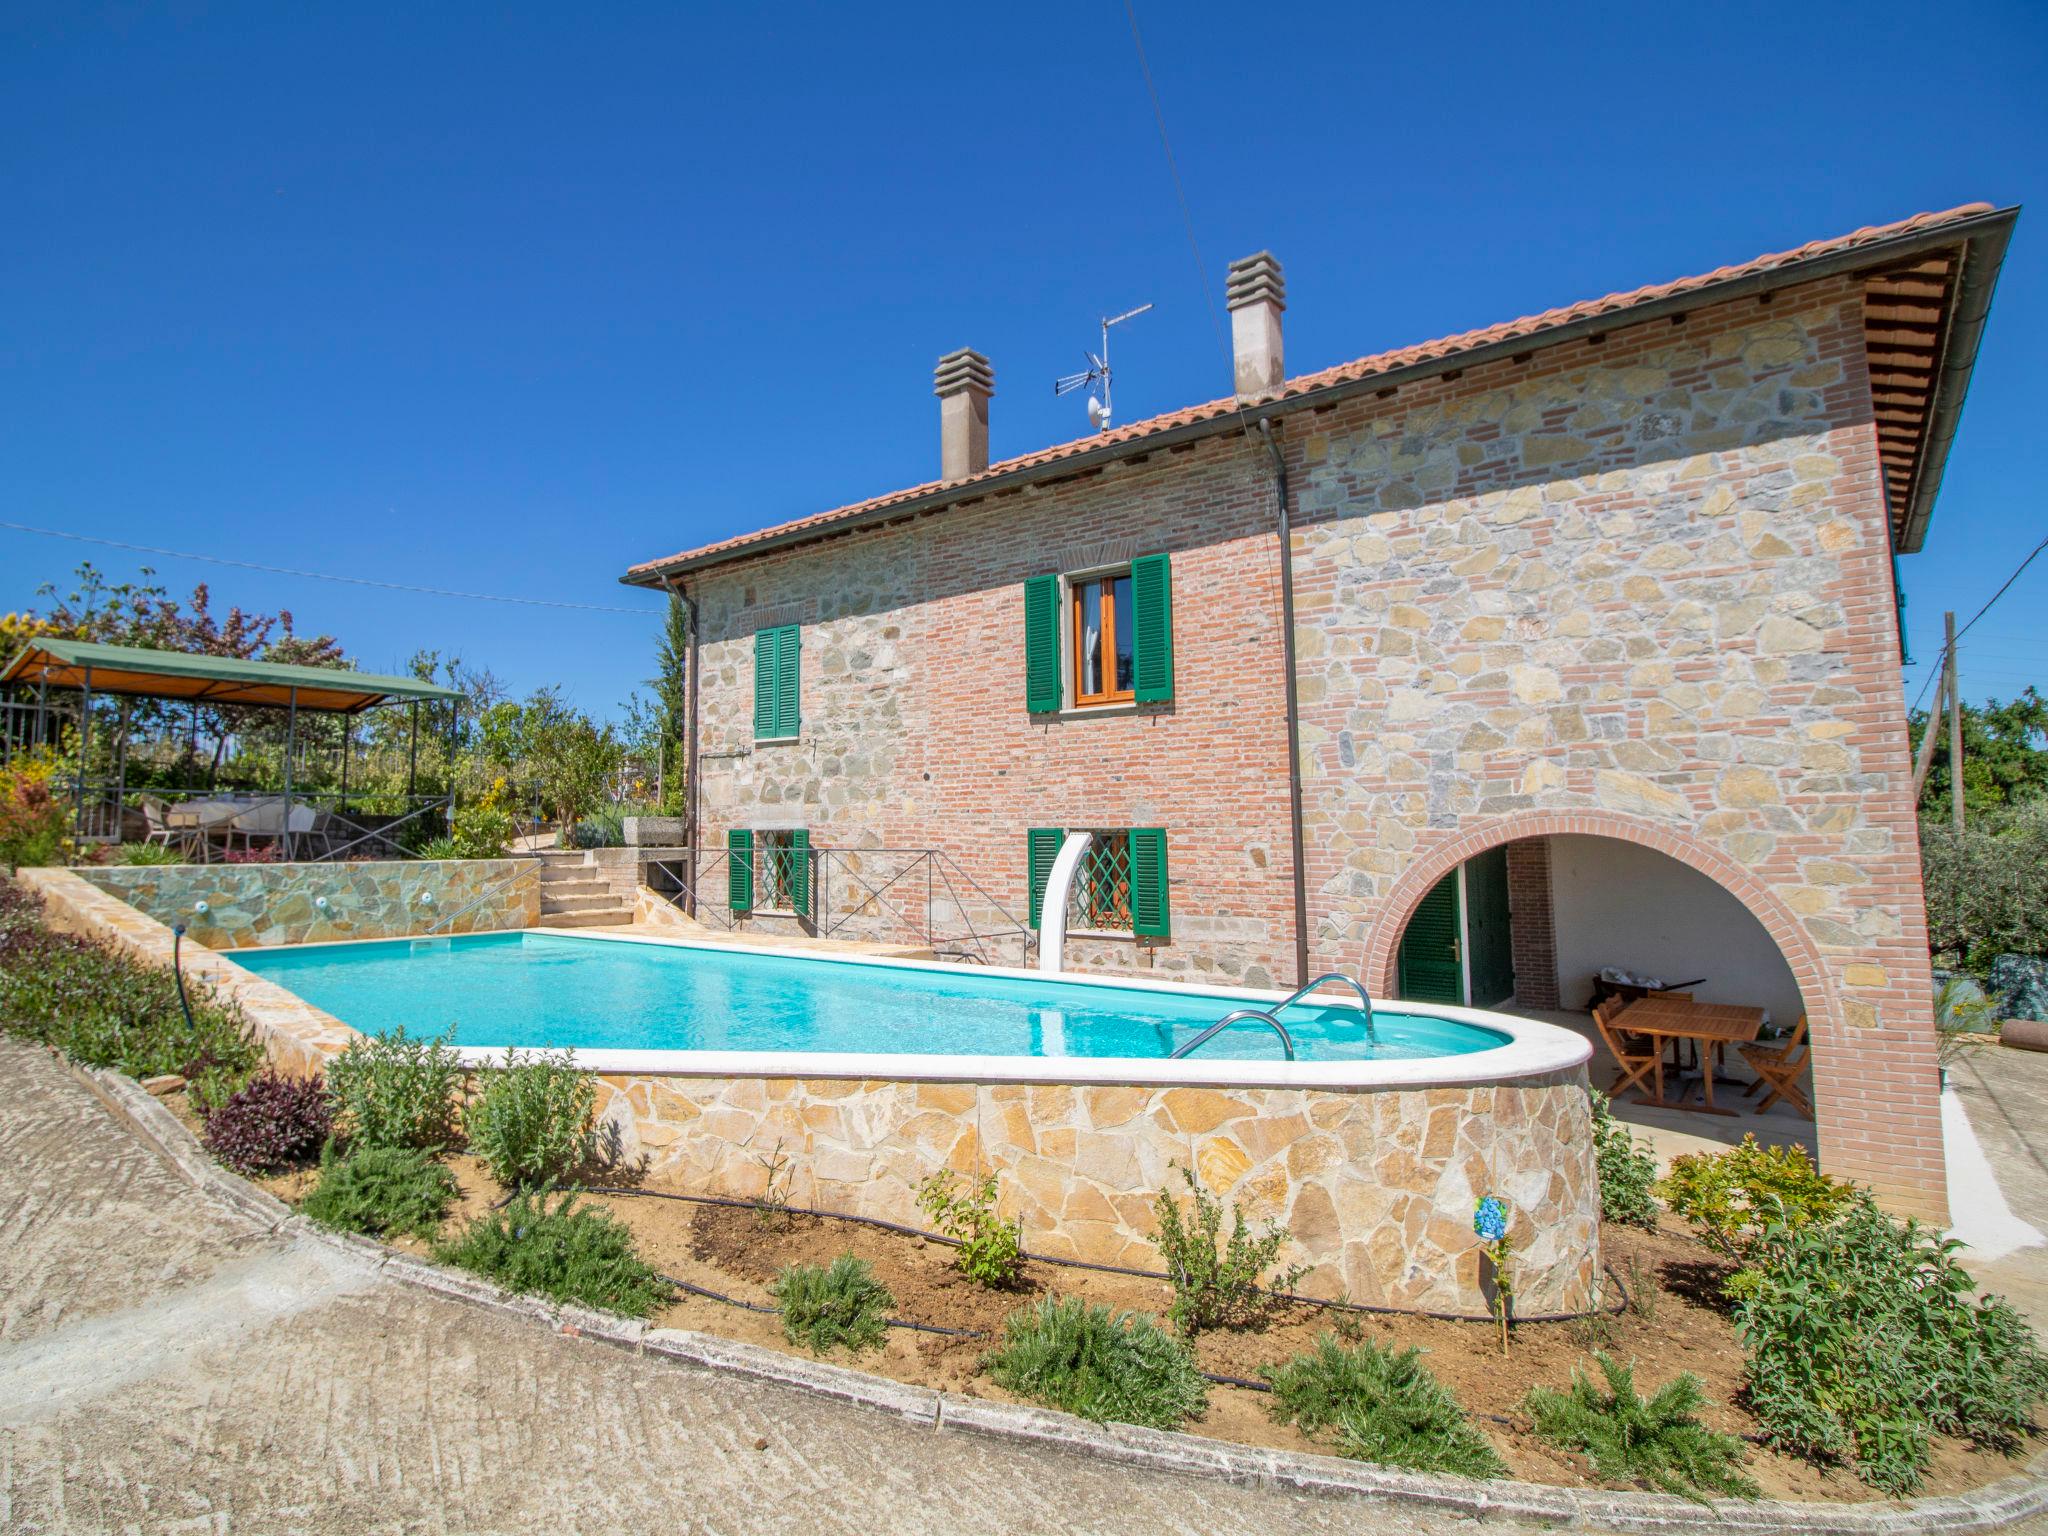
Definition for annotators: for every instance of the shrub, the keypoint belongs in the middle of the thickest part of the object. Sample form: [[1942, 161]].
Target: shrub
[[1987, 891], [483, 830], [1731, 1196], [1863, 1339], [1100, 1364], [380, 1190], [1627, 1169], [270, 1123], [1382, 1405], [397, 1090], [826, 1308], [1217, 1283], [34, 821], [991, 1251], [604, 827], [439, 848], [563, 1250], [1658, 1441], [140, 854], [105, 1008], [533, 1122]]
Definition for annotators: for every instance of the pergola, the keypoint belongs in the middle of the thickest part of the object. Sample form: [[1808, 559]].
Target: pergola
[[139, 672]]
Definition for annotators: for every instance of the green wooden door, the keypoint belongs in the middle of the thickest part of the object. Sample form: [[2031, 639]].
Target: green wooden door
[[1431, 970], [1490, 949]]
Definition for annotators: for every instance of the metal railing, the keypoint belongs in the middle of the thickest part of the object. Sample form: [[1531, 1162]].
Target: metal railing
[[888, 895], [203, 824], [486, 894], [1269, 1016]]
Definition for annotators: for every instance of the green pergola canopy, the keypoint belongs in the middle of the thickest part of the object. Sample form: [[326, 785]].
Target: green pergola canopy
[[151, 674]]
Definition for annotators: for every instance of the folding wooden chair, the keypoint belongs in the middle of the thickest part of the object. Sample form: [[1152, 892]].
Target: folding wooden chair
[[1638, 1056], [1780, 1066]]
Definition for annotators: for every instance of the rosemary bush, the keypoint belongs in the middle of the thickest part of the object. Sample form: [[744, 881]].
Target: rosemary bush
[[1379, 1404], [380, 1190], [551, 1246], [1100, 1364], [1657, 1441], [825, 1309]]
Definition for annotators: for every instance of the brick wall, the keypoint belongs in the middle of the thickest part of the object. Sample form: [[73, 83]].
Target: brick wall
[[1530, 930], [1637, 588]]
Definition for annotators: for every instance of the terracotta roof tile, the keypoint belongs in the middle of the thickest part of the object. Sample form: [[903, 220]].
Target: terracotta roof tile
[[1344, 373]]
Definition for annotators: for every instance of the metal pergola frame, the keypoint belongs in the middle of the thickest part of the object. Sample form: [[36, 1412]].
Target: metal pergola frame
[[180, 677]]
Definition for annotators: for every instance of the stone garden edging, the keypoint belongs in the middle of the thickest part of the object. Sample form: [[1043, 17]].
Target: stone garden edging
[[1996, 1506]]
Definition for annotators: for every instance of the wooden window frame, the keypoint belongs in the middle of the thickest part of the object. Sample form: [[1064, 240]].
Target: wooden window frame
[[1072, 631]]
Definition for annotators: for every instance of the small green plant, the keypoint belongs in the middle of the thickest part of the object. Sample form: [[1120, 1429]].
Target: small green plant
[[1732, 1196], [551, 1246], [827, 1308], [991, 1251], [380, 1190], [771, 1206], [1379, 1404], [535, 1120], [397, 1090], [443, 847], [1642, 1289], [1962, 1010], [148, 855], [1658, 1441], [1100, 1364], [1627, 1170], [1217, 1282], [1490, 1221], [1864, 1338]]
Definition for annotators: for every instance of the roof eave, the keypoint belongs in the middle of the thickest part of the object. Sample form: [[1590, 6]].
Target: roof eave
[[1993, 228]]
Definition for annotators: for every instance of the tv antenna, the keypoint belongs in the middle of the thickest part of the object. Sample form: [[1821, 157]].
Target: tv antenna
[[1098, 368]]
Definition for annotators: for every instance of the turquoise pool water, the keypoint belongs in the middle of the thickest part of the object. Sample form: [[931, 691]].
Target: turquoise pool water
[[597, 994]]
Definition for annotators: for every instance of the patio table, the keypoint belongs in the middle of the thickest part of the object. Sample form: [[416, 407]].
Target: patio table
[[1714, 1026]]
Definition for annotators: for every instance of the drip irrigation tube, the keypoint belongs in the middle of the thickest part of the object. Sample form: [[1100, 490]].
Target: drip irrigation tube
[[733, 1203]]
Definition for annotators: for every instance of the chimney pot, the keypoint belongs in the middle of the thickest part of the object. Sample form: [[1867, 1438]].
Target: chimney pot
[[963, 381], [1256, 293]]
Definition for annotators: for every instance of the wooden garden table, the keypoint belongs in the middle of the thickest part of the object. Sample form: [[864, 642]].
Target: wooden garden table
[[1714, 1026]]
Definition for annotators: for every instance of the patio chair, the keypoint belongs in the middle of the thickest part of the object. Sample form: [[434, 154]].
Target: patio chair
[[156, 818], [1780, 1067], [1638, 1056], [266, 819]]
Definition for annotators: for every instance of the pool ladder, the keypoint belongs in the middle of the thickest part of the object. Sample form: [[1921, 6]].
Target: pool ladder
[[1270, 1017]]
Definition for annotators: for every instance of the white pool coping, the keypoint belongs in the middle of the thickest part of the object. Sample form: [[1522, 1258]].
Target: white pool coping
[[1533, 1049]]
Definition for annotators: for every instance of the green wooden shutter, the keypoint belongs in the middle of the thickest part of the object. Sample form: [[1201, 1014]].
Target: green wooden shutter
[[788, 695], [1148, 883], [1429, 969], [800, 872], [766, 648], [1042, 645], [739, 871], [1152, 629], [1041, 847]]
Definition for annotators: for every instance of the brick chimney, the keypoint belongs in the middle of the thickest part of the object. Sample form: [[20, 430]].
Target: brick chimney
[[963, 381], [1256, 293]]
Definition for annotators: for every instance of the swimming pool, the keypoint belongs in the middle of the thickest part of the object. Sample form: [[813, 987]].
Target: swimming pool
[[598, 995]]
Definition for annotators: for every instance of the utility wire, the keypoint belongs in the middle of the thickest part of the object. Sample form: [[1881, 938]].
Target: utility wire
[[2018, 570], [354, 581]]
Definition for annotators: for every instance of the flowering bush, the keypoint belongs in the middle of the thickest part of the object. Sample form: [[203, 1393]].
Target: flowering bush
[[1490, 1221], [33, 820]]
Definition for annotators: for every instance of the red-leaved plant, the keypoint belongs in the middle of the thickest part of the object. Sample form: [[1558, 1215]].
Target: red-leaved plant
[[270, 1123]]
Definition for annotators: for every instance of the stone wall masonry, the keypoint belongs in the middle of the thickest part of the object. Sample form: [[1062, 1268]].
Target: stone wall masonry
[[265, 904], [1638, 589], [1377, 1186]]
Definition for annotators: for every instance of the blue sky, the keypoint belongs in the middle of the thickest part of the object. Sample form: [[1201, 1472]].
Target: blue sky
[[506, 298]]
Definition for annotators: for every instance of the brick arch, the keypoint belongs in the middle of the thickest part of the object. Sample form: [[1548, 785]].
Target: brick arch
[[1438, 855]]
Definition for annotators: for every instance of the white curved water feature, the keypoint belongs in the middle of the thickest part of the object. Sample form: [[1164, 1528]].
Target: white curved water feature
[[1052, 906]]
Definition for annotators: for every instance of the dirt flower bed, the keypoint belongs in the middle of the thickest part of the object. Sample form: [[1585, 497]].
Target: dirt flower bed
[[1674, 1321]]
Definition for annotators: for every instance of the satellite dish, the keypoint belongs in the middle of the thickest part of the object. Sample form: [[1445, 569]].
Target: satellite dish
[[1098, 414]]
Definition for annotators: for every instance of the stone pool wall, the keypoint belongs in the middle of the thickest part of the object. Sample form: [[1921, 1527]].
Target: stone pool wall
[[1376, 1185], [248, 905]]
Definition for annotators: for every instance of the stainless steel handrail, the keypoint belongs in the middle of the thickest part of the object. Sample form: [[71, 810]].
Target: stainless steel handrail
[[1286, 1040], [485, 895], [1364, 998]]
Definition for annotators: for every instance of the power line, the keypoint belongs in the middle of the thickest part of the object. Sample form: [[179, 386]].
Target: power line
[[2003, 589], [353, 581]]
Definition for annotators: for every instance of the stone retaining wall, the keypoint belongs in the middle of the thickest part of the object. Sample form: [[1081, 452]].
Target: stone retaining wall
[[1376, 1185], [248, 905]]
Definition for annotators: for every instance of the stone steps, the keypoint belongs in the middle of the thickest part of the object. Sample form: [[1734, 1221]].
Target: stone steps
[[609, 917], [601, 900]]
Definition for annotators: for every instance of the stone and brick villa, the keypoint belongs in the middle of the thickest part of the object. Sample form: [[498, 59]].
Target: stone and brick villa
[[1466, 668]]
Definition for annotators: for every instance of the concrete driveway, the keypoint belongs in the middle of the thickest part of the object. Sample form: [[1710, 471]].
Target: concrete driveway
[[163, 1368]]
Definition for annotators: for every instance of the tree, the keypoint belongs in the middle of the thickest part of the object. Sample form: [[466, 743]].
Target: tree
[[2005, 755]]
